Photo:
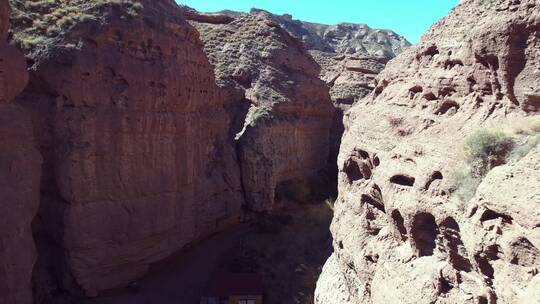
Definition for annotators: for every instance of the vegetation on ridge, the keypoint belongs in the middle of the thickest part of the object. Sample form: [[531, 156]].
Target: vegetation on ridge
[[37, 22], [487, 149]]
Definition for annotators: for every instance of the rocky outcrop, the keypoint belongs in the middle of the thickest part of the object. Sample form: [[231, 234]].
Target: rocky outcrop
[[343, 38], [350, 77], [350, 55], [400, 232], [138, 160], [19, 176], [286, 130]]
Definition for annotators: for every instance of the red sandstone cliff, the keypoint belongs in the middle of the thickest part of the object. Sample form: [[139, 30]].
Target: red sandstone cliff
[[134, 134], [19, 176]]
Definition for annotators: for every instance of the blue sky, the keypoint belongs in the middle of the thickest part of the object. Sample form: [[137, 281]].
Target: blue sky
[[410, 18]]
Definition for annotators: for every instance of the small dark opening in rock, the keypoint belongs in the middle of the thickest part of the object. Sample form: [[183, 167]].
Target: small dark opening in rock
[[437, 175], [430, 96], [403, 180], [352, 170], [424, 233], [446, 91], [431, 51], [367, 199], [363, 154], [444, 286], [492, 215], [416, 89], [400, 224], [445, 106]]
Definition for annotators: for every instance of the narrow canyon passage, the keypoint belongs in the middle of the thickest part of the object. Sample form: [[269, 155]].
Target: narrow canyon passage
[[287, 248], [148, 148]]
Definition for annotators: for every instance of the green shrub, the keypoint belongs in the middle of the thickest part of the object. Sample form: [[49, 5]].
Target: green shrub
[[38, 21], [483, 151], [486, 149]]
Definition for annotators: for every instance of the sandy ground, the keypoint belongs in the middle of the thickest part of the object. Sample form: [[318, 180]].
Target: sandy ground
[[287, 249]]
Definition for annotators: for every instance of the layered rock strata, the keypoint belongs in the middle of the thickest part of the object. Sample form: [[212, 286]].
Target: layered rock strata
[[138, 160], [400, 232]]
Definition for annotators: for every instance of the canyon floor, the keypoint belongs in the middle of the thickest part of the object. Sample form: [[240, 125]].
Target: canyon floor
[[287, 248]]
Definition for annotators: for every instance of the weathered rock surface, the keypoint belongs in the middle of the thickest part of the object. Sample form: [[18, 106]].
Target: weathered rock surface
[[400, 235], [19, 176], [343, 38], [350, 55], [350, 77], [287, 127], [135, 139]]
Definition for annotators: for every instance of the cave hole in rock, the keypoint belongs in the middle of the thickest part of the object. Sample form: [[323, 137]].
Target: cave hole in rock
[[446, 91], [532, 104], [489, 215], [443, 286], [399, 222], [366, 170], [449, 64], [437, 175], [416, 89], [489, 61], [524, 253], [424, 232], [429, 96], [432, 50], [403, 180], [446, 106], [352, 169], [363, 154]]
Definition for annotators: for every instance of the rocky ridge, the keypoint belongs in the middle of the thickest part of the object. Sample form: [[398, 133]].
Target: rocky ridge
[[401, 234], [350, 55]]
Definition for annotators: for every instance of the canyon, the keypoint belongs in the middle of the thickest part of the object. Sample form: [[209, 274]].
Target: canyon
[[135, 133]]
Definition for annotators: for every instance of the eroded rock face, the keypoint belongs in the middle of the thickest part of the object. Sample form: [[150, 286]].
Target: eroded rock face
[[287, 127], [350, 55], [135, 138], [343, 38], [19, 176], [400, 235], [350, 77]]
